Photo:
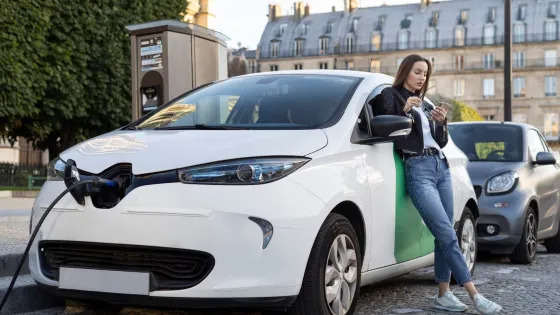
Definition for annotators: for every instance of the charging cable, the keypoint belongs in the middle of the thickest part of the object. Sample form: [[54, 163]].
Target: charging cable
[[96, 182]]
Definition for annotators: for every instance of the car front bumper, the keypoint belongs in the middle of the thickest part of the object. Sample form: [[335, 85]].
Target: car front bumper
[[211, 219], [507, 219]]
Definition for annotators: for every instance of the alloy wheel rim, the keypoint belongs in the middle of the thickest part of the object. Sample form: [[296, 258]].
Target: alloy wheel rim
[[341, 275], [531, 235], [468, 243]]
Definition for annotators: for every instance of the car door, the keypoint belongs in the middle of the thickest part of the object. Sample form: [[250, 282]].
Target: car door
[[546, 183], [403, 235]]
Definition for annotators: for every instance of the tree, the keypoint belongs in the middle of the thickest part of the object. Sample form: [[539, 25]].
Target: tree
[[69, 78]]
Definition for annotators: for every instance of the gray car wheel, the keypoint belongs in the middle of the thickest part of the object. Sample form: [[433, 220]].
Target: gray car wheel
[[526, 250]]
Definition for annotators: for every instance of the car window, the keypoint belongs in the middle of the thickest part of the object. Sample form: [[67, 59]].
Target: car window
[[535, 144], [260, 102], [488, 142]]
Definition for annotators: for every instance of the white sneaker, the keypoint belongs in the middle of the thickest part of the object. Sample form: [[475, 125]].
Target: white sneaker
[[485, 306], [449, 302]]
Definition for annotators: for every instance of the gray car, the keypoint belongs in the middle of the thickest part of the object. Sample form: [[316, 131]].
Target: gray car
[[516, 177]]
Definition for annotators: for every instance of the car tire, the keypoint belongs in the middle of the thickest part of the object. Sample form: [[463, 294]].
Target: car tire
[[335, 232], [466, 236], [526, 250], [553, 244]]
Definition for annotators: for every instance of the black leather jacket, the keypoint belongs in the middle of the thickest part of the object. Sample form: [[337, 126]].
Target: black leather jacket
[[391, 101]]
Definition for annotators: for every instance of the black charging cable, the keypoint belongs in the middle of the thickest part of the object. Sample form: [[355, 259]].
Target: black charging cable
[[98, 182]]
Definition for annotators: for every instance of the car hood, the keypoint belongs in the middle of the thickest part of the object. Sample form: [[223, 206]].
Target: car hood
[[480, 172], [160, 150]]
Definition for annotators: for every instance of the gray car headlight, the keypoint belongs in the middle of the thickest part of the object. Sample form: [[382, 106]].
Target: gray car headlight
[[502, 183], [242, 172], [55, 170]]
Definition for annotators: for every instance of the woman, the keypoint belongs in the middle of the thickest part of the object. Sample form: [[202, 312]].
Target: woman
[[428, 180]]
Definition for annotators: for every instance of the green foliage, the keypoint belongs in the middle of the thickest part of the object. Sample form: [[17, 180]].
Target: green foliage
[[485, 148], [65, 66]]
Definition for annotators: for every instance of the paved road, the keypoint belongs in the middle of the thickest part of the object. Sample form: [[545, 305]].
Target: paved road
[[521, 289], [15, 207]]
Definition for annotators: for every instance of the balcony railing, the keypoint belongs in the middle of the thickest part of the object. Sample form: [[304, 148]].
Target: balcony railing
[[411, 45]]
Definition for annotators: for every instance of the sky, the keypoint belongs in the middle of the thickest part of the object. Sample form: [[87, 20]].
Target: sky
[[244, 20]]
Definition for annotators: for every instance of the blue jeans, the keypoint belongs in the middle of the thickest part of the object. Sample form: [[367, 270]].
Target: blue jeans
[[428, 182]]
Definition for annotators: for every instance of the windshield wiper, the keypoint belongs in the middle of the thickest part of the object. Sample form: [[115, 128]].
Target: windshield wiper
[[202, 127]]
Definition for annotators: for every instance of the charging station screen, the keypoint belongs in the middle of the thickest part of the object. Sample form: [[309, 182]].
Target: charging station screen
[[151, 52]]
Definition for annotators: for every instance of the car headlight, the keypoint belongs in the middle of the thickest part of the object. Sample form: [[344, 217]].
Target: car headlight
[[241, 172], [502, 183], [55, 170]]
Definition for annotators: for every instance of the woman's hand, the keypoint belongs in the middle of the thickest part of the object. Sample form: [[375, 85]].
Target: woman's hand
[[439, 114], [412, 101]]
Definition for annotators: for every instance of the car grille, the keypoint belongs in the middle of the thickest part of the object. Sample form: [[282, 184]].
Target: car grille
[[477, 191], [170, 268]]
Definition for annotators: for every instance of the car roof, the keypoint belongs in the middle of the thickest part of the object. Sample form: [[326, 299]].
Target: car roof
[[348, 73], [505, 123]]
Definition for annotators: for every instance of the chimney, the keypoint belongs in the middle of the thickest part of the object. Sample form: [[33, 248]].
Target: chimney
[[298, 10], [274, 12], [307, 10], [350, 5], [424, 4], [333, 8]]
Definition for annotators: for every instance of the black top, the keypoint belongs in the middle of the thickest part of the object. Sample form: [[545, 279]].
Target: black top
[[391, 101]]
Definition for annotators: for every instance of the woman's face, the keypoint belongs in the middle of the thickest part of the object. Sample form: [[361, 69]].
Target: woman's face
[[417, 75]]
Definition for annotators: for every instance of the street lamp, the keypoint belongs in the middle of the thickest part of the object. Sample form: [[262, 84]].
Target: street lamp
[[507, 61]]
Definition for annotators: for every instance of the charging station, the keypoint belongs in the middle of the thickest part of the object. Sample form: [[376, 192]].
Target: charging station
[[169, 58]]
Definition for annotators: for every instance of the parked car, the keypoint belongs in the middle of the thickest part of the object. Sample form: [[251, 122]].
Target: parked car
[[271, 190], [517, 180]]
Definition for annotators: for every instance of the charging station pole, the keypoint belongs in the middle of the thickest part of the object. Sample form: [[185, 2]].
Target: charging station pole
[[169, 58]]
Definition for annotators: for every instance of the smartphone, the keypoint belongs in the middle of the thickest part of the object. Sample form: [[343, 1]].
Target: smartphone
[[445, 105]]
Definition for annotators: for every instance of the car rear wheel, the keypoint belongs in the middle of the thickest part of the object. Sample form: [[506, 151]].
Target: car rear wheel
[[553, 245], [331, 284], [466, 235], [526, 250]]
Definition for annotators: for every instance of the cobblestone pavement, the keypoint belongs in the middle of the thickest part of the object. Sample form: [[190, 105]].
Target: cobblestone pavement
[[521, 289]]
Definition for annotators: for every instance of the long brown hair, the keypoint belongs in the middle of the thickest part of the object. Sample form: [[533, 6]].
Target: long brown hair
[[406, 67]]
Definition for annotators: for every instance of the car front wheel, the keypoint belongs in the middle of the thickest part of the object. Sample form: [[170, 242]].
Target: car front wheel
[[526, 250], [331, 284]]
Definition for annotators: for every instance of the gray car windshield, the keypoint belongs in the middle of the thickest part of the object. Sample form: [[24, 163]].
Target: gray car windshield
[[299, 101], [489, 142]]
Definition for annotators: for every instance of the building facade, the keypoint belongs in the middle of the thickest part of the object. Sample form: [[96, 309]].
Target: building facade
[[463, 39]]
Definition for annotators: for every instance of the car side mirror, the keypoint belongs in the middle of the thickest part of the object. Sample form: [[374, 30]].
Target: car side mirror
[[545, 158], [388, 128]]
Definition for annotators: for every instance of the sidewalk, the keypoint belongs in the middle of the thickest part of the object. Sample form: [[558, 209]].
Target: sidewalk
[[16, 203]]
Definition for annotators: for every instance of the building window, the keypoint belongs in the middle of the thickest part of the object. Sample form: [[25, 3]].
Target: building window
[[273, 67], [459, 62], [298, 47], [305, 29], [550, 30], [324, 45], [519, 118], [298, 66], [489, 35], [274, 47], [519, 59], [283, 28], [489, 117], [432, 61], [551, 126], [550, 58], [459, 36], [519, 87], [522, 12], [329, 28], [375, 65], [431, 38], [348, 65], [518, 33], [459, 87], [488, 61], [488, 85], [403, 39], [349, 44], [464, 16], [323, 65], [376, 42], [491, 15], [355, 23], [550, 85]]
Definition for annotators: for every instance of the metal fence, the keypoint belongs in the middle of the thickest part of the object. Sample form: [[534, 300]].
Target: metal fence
[[30, 176]]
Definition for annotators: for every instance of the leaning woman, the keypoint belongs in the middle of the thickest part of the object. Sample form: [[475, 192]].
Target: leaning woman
[[428, 179]]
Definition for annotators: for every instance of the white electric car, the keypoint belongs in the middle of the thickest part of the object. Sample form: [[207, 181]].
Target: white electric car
[[271, 191]]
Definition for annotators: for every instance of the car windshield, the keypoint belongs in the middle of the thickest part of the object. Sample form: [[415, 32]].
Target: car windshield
[[489, 142], [276, 101]]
